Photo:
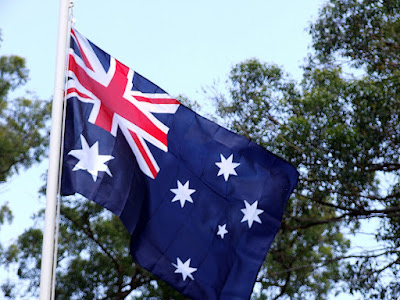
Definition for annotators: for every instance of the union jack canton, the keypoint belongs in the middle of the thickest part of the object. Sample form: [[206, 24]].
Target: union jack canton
[[108, 85]]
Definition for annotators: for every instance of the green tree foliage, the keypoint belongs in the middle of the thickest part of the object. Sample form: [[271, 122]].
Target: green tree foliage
[[23, 131], [342, 132], [299, 122], [23, 135], [366, 35], [366, 32]]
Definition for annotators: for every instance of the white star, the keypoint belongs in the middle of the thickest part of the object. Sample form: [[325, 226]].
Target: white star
[[90, 159], [227, 167], [222, 230], [184, 269], [182, 193], [251, 213]]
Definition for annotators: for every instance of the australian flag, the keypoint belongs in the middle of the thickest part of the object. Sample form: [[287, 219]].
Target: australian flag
[[202, 204]]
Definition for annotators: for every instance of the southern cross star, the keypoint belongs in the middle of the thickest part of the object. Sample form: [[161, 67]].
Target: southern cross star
[[90, 159], [182, 193], [227, 167], [222, 230], [184, 268], [251, 213]]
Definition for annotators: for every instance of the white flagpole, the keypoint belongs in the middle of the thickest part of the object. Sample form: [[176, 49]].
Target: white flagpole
[[54, 155]]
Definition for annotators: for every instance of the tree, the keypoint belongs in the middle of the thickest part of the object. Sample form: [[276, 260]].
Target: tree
[[365, 34], [23, 131], [5, 216], [341, 131], [23, 136], [264, 106]]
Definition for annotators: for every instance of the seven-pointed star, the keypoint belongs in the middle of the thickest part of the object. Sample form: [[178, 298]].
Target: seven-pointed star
[[222, 230], [182, 193], [90, 159], [251, 213], [227, 167], [184, 268]]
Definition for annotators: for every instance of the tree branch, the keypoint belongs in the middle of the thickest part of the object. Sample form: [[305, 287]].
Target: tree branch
[[318, 264], [354, 213]]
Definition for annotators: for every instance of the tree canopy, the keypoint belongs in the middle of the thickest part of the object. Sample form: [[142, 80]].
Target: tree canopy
[[23, 136], [365, 33], [339, 126], [23, 128]]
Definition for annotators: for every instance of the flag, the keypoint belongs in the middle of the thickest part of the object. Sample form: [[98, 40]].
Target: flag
[[202, 204]]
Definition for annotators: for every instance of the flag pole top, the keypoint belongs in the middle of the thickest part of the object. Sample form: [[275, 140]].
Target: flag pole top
[[71, 9]]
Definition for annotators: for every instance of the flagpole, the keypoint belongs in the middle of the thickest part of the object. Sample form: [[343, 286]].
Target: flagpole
[[47, 264]]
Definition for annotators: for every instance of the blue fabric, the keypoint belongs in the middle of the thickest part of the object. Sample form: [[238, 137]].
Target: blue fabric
[[161, 229]]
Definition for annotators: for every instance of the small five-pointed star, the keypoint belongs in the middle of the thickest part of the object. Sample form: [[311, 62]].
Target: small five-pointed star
[[222, 230], [184, 268], [90, 159], [227, 167], [182, 193], [251, 213]]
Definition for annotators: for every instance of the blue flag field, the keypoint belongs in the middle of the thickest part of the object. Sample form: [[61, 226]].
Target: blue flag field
[[202, 204]]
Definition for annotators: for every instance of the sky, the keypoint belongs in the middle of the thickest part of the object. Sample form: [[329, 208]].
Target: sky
[[182, 46]]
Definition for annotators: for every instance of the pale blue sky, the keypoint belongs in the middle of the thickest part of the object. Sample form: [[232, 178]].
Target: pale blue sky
[[180, 45]]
